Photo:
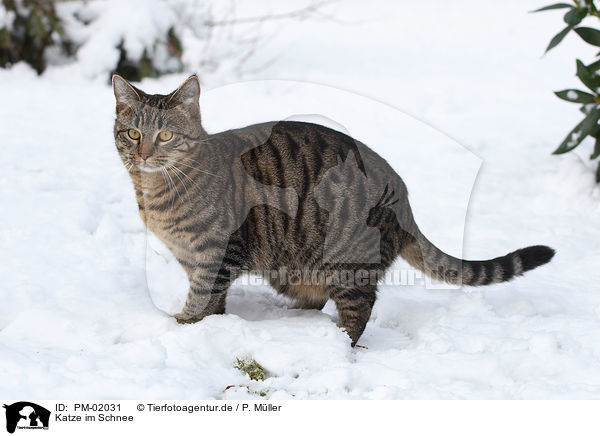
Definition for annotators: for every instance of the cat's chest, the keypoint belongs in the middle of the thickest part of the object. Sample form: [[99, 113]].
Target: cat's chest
[[170, 233]]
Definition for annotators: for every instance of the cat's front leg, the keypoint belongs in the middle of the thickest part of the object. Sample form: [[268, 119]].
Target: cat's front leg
[[199, 305], [208, 289]]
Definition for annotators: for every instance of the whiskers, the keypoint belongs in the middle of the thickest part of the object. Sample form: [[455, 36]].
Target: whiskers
[[175, 173], [129, 164], [171, 169], [188, 162], [179, 174], [173, 191]]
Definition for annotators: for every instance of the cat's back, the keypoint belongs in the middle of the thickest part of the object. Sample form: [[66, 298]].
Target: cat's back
[[297, 154]]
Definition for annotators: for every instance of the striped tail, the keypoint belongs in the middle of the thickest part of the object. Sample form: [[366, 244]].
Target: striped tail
[[423, 255]]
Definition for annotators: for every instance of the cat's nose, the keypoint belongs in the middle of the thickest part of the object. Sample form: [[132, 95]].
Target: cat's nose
[[145, 155]]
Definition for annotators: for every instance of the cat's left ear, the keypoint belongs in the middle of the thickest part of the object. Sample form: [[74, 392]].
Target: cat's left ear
[[125, 93], [188, 93]]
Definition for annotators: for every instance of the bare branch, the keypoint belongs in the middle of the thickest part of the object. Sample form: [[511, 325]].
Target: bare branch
[[302, 13]]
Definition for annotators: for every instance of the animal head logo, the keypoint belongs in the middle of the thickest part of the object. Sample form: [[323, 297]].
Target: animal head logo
[[24, 414]]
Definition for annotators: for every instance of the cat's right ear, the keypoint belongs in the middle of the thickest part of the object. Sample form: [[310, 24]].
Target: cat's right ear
[[125, 93]]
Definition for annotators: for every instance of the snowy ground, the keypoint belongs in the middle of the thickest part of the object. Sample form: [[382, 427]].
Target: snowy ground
[[85, 292]]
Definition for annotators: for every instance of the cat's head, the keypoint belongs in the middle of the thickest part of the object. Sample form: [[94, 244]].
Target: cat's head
[[156, 131]]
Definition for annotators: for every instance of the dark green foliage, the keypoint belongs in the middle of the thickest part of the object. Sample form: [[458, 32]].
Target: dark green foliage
[[35, 27], [136, 69], [558, 38], [554, 6], [587, 77], [596, 152], [575, 15], [590, 101], [581, 130], [589, 35], [594, 66], [581, 96]]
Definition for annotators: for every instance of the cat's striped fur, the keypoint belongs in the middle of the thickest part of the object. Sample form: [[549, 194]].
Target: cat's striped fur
[[279, 197]]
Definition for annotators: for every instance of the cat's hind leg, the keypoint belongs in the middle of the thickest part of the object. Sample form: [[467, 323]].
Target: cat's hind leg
[[354, 306]]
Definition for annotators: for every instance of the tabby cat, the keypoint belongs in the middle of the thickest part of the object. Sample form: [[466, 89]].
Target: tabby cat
[[317, 213]]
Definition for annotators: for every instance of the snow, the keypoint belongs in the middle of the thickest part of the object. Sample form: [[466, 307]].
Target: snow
[[572, 95], [100, 31], [574, 138], [6, 17], [456, 98], [139, 25]]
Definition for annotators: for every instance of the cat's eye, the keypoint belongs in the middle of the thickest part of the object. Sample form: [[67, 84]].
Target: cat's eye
[[134, 134], [165, 135]]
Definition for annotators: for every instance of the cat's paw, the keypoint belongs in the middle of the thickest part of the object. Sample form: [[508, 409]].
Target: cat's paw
[[183, 318]]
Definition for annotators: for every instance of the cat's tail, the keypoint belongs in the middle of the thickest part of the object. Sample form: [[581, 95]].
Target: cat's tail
[[419, 252]]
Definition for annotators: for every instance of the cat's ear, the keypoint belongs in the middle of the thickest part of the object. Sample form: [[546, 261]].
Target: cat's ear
[[187, 94], [125, 93]]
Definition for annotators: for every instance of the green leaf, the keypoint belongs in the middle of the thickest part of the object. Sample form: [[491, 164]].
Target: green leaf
[[554, 6], [558, 38], [596, 152], [579, 133], [589, 35], [575, 96], [575, 15], [589, 79], [594, 66]]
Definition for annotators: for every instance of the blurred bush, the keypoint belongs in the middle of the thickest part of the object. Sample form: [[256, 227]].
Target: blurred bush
[[135, 38], [588, 74], [27, 29]]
